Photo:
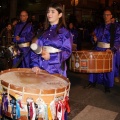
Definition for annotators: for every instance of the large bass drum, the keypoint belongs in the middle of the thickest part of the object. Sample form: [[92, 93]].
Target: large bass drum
[[26, 95]]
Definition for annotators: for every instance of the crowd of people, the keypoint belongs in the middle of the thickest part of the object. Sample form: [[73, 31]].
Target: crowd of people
[[20, 34], [55, 33]]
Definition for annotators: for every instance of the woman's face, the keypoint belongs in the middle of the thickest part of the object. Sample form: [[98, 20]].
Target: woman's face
[[53, 16]]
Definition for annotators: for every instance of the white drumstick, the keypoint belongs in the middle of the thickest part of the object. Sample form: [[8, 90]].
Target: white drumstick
[[37, 49]]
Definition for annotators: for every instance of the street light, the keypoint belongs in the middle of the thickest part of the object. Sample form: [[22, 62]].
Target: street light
[[74, 3]]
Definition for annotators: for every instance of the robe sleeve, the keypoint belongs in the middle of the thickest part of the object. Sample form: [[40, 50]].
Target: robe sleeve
[[66, 50], [34, 59]]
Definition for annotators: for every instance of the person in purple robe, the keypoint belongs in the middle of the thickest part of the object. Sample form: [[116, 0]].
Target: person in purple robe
[[102, 36], [117, 55], [23, 35], [75, 34], [56, 43]]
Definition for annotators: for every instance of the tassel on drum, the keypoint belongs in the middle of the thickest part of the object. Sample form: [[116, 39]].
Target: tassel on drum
[[15, 108]]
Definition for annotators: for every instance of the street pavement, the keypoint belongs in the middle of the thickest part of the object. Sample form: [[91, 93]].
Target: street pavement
[[80, 97]]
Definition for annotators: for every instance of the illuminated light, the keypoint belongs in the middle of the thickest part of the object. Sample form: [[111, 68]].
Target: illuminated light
[[74, 2]]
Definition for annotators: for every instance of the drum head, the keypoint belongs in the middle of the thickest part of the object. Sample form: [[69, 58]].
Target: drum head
[[25, 78]]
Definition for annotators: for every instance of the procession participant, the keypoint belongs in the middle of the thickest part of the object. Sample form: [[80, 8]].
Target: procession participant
[[107, 37], [23, 35], [56, 43]]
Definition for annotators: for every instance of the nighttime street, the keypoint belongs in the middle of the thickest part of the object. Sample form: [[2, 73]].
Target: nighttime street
[[92, 103], [59, 59]]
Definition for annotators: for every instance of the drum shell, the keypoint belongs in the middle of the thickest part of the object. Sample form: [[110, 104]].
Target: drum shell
[[90, 61], [47, 95], [5, 58]]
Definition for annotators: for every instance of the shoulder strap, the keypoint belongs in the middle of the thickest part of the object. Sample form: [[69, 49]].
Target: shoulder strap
[[35, 38], [112, 34], [22, 28]]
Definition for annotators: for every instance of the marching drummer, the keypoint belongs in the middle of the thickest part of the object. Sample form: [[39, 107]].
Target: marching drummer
[[107, 38], [23, 34], [55, 43]]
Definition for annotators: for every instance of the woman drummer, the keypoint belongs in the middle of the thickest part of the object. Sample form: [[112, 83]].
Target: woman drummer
[[56, 43]]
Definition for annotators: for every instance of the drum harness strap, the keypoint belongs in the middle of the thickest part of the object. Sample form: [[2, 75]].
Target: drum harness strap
[[112, 34], [16, 44]]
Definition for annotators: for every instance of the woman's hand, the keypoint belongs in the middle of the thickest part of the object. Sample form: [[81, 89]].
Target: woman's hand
[[45, 55], [36, 70]]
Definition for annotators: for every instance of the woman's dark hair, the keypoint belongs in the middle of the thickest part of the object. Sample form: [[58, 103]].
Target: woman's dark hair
[[60, 9]]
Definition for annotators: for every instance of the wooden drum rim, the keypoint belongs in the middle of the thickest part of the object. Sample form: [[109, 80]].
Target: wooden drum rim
[[30, 90], [91, 51]]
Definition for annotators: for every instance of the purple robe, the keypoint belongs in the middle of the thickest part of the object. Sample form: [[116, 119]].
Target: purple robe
[[26, 36], [63, 41], [103, 35], [74, 33]]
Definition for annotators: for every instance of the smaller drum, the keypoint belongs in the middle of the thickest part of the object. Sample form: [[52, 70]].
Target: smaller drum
[[27, 95], [12, 49], [5, 52], [2, 49], [90, 61], [5, 58]]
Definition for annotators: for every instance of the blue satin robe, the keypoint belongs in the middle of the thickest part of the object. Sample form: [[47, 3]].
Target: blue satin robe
[[103, 35], [26, 36], [63, 41]]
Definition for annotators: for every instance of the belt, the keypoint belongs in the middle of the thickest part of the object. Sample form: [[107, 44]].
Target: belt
[[103, 45], [50, 49], [38, 49], [27, 44]]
